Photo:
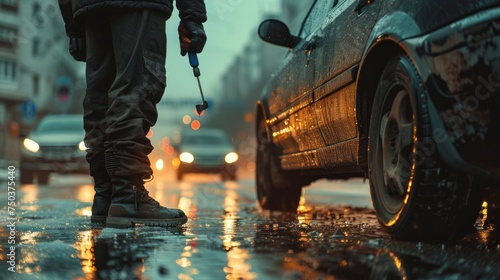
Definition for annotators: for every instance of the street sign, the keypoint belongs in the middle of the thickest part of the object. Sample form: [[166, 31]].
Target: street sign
[[28, 109]]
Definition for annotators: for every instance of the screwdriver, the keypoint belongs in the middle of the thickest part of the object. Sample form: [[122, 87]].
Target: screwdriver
[[193, 61]]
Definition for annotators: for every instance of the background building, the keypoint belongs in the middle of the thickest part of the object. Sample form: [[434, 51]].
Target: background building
[[244, 80], [37, 75]]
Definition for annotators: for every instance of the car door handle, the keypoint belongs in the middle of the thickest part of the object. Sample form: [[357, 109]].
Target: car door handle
[[308, 50], [361, 4], [310, 46]]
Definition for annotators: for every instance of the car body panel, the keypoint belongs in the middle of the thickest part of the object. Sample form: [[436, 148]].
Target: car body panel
[[334, 139], [463, 73]]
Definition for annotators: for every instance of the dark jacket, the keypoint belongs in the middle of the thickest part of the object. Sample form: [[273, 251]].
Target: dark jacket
[[73, 11]]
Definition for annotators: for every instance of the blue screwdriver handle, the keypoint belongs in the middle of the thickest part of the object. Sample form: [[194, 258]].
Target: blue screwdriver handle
[[193, 59]]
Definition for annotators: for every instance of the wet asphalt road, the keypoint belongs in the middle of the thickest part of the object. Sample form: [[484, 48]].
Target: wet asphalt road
[[335, 235]]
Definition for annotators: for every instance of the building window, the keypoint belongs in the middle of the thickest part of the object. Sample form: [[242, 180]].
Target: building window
[[7, 33], [8, 70], [36, 47], [36, 85]]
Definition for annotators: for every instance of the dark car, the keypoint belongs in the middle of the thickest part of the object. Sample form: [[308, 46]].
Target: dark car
[[207, 150], [54, 146], [404, 93]]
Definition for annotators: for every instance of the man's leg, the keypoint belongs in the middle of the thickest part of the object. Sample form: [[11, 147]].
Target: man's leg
[[140, 47], [100, 74]]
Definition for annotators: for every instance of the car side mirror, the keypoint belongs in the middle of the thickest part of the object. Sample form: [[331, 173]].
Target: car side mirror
[[277, 33]]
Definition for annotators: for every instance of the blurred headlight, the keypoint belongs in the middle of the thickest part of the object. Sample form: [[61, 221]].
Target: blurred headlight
[[231, 157], [82, 146], [186, 157], [31, 145]]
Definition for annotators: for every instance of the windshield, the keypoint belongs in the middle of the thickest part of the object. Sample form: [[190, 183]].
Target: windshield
[[205, 140], [58, 125]]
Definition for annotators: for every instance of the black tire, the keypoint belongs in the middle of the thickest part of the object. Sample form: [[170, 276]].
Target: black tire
[[179, 176], [43, 178], [415, 196], [493, 209], [275, 190], [227, 176], [27, 177]]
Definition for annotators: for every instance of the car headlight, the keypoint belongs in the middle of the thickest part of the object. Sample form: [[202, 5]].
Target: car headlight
[[186, 157], [31, 145], [82, 146], [231, 157]]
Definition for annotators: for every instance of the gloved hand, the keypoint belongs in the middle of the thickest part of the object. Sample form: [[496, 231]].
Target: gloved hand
[[77, 47], [191, 36], [77, 42]]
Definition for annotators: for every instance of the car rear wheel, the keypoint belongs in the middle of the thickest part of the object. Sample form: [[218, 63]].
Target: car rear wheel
[[415, 196], [275, 190], [27, 177], [228, 176], [43, 178]]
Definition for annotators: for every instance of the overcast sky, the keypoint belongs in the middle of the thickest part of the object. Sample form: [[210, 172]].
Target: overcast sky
[[231, 24]]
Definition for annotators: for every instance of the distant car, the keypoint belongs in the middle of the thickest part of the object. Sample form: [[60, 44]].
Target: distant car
[[404, 93], [54, 146], [206, 150]]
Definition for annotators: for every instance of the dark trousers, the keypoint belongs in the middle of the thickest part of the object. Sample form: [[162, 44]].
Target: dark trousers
[[125, 74]]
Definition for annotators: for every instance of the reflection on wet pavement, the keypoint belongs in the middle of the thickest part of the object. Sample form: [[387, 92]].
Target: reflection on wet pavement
[[228, 237]]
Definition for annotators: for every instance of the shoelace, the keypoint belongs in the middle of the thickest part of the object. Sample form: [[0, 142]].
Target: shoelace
[[143, 194]]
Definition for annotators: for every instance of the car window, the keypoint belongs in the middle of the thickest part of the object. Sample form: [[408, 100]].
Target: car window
[[205, 140], [316, 16], [60, 125]]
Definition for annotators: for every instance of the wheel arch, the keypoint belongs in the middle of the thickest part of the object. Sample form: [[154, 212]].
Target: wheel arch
[[261, 114], [369, 75]]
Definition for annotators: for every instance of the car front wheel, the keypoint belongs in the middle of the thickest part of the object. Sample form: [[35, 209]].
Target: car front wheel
[[275, 190], [415, 195]]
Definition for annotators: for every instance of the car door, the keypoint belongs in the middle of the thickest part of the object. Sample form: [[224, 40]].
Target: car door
[[293, 124], [337, 53]]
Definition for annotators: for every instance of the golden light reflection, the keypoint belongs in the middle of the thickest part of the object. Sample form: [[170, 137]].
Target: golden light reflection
[[237, 267], [30, 237], [85, 211], [85, 193], [30, 194], [29, 258], [183, 262], [302, 205], [410, 182], [183, 276], [399, 265], [185, 204], [85, 248], [483, 214]]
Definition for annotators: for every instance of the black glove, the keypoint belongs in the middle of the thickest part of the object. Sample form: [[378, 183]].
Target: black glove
[[191, 36], [77, 47]]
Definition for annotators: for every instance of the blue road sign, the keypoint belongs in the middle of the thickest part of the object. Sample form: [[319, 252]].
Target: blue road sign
[[28, 109]]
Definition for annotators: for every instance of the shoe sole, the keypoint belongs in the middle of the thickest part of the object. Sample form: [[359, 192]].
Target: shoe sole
[[98, 220], [126, 222]]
